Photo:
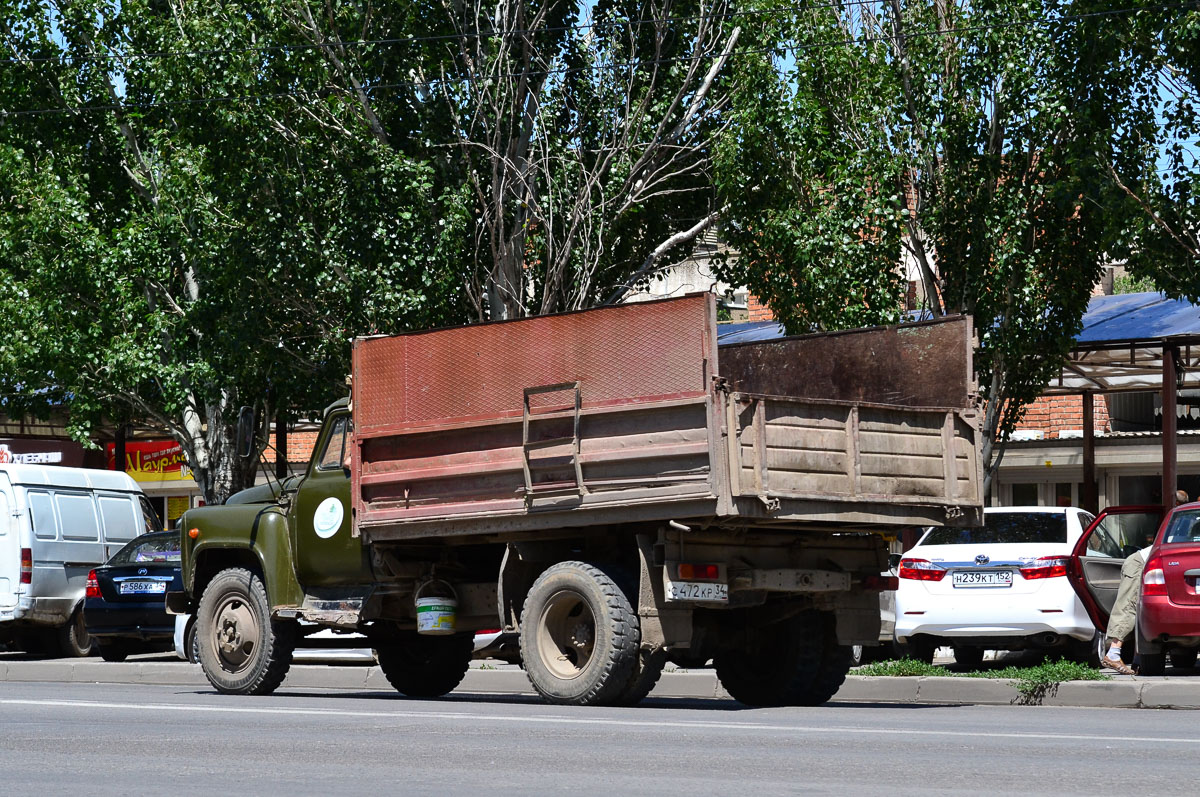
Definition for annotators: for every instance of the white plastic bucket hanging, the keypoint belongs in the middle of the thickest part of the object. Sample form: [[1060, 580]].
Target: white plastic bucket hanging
[[436, 613]]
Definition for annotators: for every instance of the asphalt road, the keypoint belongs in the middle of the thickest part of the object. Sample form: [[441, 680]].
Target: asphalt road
[[122, 739]]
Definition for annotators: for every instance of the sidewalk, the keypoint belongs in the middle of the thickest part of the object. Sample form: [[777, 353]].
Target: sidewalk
[[495, 679]]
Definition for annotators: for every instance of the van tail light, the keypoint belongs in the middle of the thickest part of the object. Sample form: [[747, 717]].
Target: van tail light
[[1154, 582], [92, 589], [1046, 567], [27, 566], [921, 570]]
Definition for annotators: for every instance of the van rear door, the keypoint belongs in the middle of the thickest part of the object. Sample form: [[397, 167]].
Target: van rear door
[[10, 547]]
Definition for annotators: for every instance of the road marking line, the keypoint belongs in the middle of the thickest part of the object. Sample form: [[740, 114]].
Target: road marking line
[[679, 724]]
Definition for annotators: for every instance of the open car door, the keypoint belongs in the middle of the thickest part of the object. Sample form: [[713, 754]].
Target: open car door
[[1096, 560]]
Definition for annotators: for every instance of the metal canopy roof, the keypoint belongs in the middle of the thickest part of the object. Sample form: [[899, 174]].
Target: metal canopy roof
[[1121, 345]]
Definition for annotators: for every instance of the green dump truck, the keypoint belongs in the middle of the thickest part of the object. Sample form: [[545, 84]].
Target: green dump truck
[[612, 486]]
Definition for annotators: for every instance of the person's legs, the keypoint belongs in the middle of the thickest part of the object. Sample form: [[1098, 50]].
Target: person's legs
[[1124, 611]]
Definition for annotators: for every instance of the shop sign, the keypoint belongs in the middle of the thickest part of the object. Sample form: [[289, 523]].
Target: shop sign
[[152, 461], [28, 451]]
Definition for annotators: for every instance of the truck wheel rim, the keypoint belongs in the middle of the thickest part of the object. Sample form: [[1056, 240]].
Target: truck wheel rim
[[566, 635], [235, 629]]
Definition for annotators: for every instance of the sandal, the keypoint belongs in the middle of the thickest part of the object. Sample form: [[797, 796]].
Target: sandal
[[1115, 664]]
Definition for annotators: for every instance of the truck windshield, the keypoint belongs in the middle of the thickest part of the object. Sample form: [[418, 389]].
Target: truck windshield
[[335, 446], [1001, 527]]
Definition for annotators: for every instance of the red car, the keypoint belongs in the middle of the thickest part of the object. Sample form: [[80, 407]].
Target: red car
[[1169, 610], [1168, 622]]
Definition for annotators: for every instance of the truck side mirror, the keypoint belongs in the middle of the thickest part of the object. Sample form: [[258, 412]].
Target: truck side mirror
[[245, 433], [894, 560]]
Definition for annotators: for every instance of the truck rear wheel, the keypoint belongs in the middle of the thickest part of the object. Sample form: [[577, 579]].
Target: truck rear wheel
[[830, 673], [420, 665], [242, 650], [790, 663], [647, 669], [579, 637]]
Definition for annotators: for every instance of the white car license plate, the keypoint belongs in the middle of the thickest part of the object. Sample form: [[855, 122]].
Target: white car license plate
[[697, 591], [982, 578], [142, 587]]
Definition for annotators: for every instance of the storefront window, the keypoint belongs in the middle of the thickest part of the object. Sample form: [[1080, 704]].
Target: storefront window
[[1025, 494]]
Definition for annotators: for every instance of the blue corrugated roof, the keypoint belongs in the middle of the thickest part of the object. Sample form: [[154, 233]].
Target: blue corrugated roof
[[748, 331], [1138, 316]]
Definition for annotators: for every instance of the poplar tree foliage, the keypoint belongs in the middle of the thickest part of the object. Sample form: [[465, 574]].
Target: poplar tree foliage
[[168, 258], [1153, 64], [581, 134], [964, 146], [217, 197]]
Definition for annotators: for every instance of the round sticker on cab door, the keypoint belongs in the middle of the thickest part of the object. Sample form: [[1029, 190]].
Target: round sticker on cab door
[[328, 518]]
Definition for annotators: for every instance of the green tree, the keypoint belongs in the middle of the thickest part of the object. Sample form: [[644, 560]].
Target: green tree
[[1153, 63], [200, 205], [958, 145], [196, 215]]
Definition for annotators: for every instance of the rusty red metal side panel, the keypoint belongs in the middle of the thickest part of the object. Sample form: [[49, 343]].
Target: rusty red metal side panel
[[913, 365], [636, 352], [441, 429]]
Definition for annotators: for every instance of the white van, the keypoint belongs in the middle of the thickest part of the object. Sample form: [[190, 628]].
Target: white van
[[56, 524]]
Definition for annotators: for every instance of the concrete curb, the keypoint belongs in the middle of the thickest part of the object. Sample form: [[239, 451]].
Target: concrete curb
[[703, 684]]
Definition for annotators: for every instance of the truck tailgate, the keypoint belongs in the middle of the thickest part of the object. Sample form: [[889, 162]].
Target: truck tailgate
[[537, 423]]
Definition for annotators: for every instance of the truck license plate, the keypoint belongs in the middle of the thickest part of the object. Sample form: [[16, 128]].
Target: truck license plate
[[982, 578], [697, 591], [142, 587]]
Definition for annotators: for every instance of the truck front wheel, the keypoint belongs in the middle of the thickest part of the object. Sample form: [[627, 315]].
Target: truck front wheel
[[242, 650], [579, 636], [420, 665]]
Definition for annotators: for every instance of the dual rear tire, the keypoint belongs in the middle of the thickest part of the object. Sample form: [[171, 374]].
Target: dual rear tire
[[580, 639], [797, 662], [581, 645]]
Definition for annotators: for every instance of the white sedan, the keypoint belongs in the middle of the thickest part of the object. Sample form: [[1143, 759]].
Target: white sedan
[[1002, 586]]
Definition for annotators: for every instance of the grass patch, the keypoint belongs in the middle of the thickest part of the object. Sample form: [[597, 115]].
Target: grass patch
[[1041, 680], [1034, 683], [901, 668]]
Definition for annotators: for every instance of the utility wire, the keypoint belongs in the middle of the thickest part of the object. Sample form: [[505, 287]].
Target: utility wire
[[337, 90]]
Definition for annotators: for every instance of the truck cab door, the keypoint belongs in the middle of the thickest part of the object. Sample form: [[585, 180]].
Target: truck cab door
[[1095, 567], [326, 553]]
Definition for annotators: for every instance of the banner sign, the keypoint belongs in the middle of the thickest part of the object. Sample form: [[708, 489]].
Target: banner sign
[[152, 461], [31, 451]]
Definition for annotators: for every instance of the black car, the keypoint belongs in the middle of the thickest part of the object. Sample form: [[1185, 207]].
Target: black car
[[125, 604]]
